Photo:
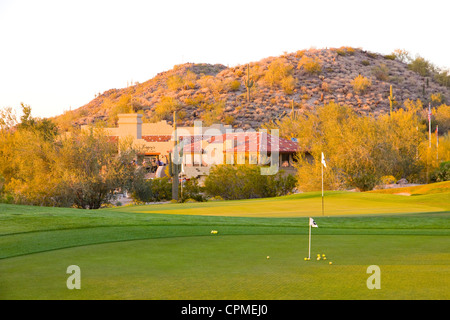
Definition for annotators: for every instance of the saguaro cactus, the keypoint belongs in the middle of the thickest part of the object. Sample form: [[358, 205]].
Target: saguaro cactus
[[391, 100], [248, 83], [292, 110]]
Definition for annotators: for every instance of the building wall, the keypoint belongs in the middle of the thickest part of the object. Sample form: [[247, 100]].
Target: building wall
[[154, 138]]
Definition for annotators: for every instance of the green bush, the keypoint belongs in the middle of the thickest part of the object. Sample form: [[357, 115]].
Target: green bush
[[343, 51], [442, 173], [151, 190], [192, 191], [381, 72], [246, 182], [421, 66], [161, 189], [443, 78], [216, 198]]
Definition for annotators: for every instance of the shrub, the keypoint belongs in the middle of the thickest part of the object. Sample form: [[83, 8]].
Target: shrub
[[442, 173], [288, 84], [197, 101], [165, 108], [300, 53], [141, 189], [325, 86], [189, 80], [192, 191], [390, 57], [174, 82], [365, 63], [278, 70], [310, 65], [245, 182], [349, 50], [228, 119], [372, 55], [151, 190], [437, 98], [381, 72], [361, 84], [343, 51], [216, 198], [388, 180], [161, 189], [421, 66], [235, 85], [401, 55], [443, 78], [214, 84]]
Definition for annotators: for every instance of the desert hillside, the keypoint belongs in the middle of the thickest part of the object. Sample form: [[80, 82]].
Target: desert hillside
[[294, 81]]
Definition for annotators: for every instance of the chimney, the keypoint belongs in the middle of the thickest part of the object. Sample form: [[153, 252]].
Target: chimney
[[130, 124]]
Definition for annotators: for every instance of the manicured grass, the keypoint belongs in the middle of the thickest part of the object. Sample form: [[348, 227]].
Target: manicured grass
[[236, 267], [440, 187], [308, 204], [168, 252]]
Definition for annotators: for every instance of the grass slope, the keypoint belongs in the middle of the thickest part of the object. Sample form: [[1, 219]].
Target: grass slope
[[440, 187], [308, 204]]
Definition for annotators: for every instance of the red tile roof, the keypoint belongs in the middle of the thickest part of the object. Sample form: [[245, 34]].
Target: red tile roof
[[157, 138], [245, 142]]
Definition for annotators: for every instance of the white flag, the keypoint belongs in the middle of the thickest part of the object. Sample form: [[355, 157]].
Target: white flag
[[312, 223], [323, 161]]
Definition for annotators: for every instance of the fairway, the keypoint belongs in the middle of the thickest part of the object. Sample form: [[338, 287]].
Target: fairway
[[168, 252]]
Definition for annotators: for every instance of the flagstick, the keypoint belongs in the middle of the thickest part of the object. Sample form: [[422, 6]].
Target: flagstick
[[309, 246], [322, 190]]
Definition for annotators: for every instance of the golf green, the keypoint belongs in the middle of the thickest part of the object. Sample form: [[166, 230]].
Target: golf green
[[237, 267]]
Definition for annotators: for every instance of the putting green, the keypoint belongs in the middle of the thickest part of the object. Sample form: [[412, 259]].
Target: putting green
[[307, 204], [236, 267]]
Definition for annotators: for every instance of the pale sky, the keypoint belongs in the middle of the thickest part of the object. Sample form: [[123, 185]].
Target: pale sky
[[56, 55]]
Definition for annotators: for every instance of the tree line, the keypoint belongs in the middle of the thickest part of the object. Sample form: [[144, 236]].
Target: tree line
[[87, 169], [361, 150]]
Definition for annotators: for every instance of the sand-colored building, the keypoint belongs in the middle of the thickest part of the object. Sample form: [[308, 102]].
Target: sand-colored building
[[203, 147]]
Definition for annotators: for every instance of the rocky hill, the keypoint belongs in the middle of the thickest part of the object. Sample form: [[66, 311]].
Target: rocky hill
[[294, 81]]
